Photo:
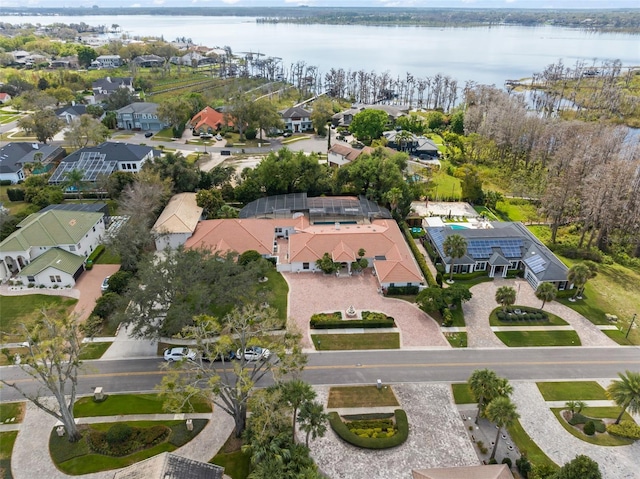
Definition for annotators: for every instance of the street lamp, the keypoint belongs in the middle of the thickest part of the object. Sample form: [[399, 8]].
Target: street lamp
[[631, 325]]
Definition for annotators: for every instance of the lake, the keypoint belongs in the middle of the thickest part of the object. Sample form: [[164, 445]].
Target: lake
[[488, 55]]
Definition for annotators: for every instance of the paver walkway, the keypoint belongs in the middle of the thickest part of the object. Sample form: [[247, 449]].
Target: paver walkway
[[316, 293], [539, 422], [476, 315], [437, 439], [31, 459]]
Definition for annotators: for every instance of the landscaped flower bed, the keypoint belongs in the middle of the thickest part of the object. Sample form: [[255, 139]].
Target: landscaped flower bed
[[370, 319], [522, 313], [372, 433]]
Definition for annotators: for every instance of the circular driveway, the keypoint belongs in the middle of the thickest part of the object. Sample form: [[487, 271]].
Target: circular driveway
[[311, 293]]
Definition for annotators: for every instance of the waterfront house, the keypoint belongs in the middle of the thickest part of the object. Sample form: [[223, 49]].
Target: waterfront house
[[107, 61], [104, 87], [148, 61], [344, 118], [415, 145]]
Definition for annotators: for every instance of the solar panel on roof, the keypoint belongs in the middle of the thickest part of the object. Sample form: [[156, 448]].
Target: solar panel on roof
[[536, 263]]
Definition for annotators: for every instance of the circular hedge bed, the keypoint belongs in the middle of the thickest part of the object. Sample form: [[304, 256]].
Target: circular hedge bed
[[372, 432], [517, 315]]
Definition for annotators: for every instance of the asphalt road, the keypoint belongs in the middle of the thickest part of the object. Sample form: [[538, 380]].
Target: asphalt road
[[366, 367]]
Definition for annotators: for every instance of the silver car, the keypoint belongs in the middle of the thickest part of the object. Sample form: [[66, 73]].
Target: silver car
[[253, 353], [178, 354]]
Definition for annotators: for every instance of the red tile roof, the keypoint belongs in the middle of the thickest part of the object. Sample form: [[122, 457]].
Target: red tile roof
[[208, 117]]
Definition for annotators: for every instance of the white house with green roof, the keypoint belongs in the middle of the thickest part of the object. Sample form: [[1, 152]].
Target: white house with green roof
[[75, 233]]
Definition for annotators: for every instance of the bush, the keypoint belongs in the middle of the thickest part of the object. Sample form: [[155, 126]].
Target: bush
[[118, 433], [15, 194], [375, 316], [119, 281], [589, 428], [106, 305], [418, 255], [96, 253], [447, 318], [354, 323], [325, 318], [5, 182], [92, 326], [493, 461], [628, 429], [439, 279], [402, 290], [364, 440], [507, 461], [248, 256], [523, 465]]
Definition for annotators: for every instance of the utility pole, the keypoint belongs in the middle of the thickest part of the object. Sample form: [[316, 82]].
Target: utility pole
[[631, 325]]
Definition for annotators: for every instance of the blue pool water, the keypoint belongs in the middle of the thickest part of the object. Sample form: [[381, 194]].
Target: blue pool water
[[458, 227]]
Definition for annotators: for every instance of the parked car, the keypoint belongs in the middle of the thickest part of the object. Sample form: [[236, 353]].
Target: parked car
[[148, 134], [218, 137], [105, 284], [206, 136], [178, 354], [286, 134], [253, 353], [228, 356]]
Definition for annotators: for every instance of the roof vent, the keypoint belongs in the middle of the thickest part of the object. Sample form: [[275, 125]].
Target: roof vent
[[35, 146], [337, 225]]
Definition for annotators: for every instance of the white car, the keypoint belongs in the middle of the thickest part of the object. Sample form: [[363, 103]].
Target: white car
[[178, 354], [105, 284], [253, 353]]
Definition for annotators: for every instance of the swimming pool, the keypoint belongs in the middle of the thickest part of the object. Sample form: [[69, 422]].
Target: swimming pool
[[459, 227]]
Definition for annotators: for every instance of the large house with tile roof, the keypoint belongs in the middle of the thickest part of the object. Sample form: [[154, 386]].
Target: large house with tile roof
[[340, 155], [177, 222], [297, 238], [498, 248], [208, 120], [170, 466], [49, 248], [491, 471]]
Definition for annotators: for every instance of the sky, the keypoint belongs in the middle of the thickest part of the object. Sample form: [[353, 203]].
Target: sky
[[337, 3]]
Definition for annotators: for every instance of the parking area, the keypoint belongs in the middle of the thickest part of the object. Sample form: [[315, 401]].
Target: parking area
[[89, 287], [311, 293]]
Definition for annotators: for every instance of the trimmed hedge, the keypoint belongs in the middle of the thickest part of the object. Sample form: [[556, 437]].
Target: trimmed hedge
[[370, 319], [402, 290], [137, 439], [96, 254], [628, 429], [341, 429], [15, 194], [529, 314], [418, 255]]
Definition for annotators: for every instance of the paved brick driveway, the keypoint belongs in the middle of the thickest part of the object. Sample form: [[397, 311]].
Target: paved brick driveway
[[89, 287], [311, 293]]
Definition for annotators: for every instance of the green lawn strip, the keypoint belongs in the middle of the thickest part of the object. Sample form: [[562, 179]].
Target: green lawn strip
[[108, 257], [76, 458], [517, 209], [618, 336], [275, 292], [457, 314], [457, 340], [18, 309], [166, 133], [486, 212], [339, 342], [515, 339], [553, 320], [9, 410], [121, 404], [361, 396], [94, 351], [7, 440], [444, 185], [237, 464], [600, 439], [462, 394], [572, 390], [527, 446]]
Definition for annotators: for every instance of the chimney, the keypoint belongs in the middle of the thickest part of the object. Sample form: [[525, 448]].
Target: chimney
[[337, 225]]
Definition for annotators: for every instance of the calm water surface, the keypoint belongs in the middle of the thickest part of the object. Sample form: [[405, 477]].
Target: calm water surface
[[486, 54]]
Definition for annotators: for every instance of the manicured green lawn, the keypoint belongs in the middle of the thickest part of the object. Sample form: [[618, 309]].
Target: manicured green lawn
[[275, 292], [462, 394], [122, 404], [18, 309], [7, 440], [444, 185], [76, 458], [527, 446], [165, 134], [361, 396], [513, 209], [600, 439], [515, 339], [457, 340], [10, 410], [237, 464], [108, 257], [618, 336], [553, 320], [94, 351], [572, 390], [339, 342]]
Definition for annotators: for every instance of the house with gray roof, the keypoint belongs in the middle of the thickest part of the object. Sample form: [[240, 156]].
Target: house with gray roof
[[408, 142], [71, 113], [170, 466], [499, 248], [15, 155], [41, 251], [344, 118], [104, 87], [296, 119], [107, 61], [103, 159], [148, 61], [139, 116]]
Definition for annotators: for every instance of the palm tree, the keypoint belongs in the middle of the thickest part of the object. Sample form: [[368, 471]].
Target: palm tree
[[484, 386], [578, 275], [313, 419], [505, 296], [626, 393], [74, 179], [502, 412], [296, 393], [575, 407], [546, 292], [455, 246]]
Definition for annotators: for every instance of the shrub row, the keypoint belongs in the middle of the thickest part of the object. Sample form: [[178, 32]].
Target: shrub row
[[382, 424], [598, 425], [418, 255], [402, 290], [368, 417], [522, 317], [355, 323], [628, 429], [15, 194], [325, 318], [137, 439], [96, 253], [346, 435], [375, 316]]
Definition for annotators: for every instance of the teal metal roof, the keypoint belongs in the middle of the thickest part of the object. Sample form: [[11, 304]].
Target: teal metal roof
[[56, 258]]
